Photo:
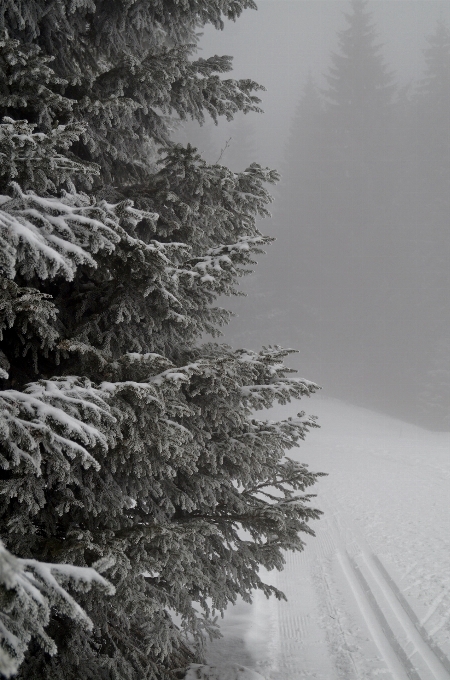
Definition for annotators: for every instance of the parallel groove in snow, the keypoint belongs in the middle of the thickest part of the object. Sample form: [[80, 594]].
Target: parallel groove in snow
[[371, 608], [419, 641], [295, 627], [378, 632], [419, 625], [386, 497]]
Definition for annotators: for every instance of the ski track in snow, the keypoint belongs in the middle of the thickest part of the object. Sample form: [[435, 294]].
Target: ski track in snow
[[369, 598]]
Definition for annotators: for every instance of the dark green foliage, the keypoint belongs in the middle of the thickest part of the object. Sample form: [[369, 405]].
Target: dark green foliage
[[29, 86], [128, 448], [128, 69]]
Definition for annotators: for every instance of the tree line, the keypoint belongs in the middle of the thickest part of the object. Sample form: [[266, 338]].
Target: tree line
[[359, 280]]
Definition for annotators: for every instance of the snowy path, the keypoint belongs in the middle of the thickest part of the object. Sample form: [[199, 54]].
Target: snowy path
[[370, 596]]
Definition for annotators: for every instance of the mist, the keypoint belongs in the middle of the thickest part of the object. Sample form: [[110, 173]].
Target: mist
[[357, 279]]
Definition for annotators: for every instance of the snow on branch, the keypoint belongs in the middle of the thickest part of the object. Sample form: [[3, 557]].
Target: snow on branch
[[282, 391], [225, 258], [46, 237], [64, 417], [29, 590], [28, 82], [31, 158]]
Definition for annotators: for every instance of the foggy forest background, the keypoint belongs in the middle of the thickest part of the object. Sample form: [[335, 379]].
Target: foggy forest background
[[357, 121]]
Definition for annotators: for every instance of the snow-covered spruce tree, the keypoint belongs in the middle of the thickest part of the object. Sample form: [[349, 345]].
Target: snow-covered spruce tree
[[131, 448], [29, 588], [128, 68]]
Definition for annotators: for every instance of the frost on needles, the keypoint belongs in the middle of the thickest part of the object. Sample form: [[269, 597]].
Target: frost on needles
[[131, 455]]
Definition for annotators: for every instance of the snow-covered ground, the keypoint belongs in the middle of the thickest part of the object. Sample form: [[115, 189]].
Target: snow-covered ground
[[369, 598]]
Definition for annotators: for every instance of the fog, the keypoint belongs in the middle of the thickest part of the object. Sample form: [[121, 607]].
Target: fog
[[358, 278]]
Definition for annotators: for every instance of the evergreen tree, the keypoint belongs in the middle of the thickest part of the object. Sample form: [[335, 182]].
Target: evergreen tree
[[431, 143], [434, 87], [358, 190], [359, 83], [334, 211], [280, 290], [127, 446], [128, 69], [427, 199], [358, 122]]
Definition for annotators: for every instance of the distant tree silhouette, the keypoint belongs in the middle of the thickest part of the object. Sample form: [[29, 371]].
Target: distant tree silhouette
[[359, 276], [336, 198], [359, 111], [430, 135], [431, 202], [276, 287], [360, 86]]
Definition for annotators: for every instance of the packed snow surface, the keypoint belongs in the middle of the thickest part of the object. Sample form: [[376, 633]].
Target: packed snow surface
[[369, 598], [232, 672]]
